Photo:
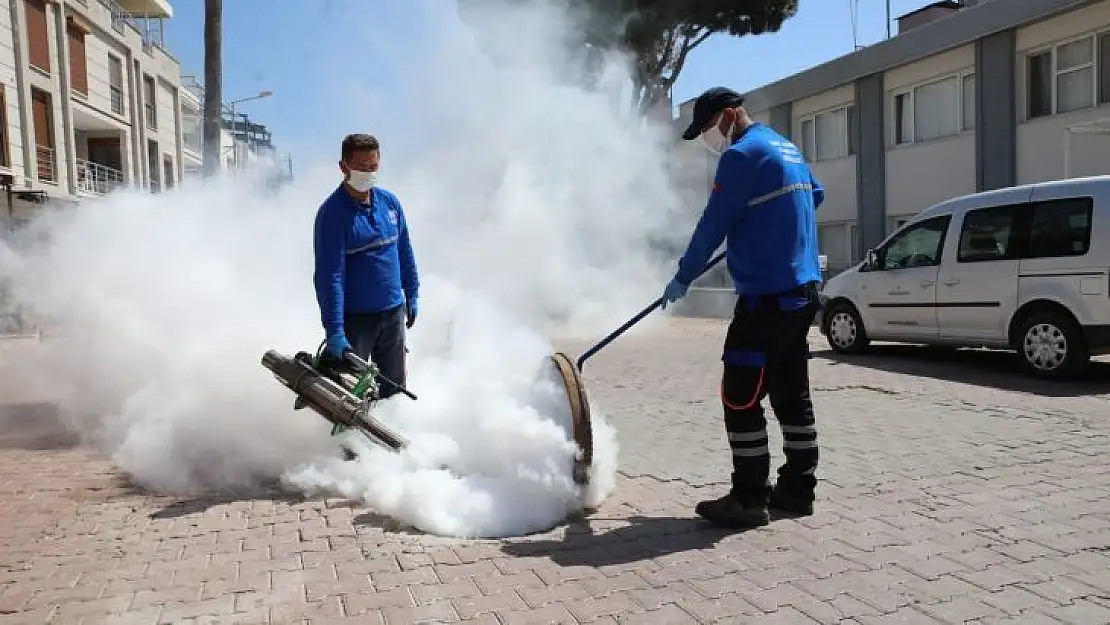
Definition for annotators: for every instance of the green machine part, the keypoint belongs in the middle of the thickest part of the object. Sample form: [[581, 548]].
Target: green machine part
[[365, 387]]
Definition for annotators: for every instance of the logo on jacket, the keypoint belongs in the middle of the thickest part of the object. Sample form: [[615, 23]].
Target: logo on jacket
[[393, 217]]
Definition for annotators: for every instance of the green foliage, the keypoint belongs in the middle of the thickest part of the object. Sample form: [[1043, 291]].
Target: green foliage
[[660, 34]]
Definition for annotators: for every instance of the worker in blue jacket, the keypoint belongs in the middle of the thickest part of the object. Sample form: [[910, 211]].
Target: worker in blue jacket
[[365, 270], [763, 204]]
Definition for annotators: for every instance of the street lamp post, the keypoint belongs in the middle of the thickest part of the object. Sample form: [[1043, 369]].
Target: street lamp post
[[265, 93]]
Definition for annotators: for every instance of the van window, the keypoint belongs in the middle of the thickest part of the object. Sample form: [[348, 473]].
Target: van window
[[1060, 228], [919, 245], [986, 234]]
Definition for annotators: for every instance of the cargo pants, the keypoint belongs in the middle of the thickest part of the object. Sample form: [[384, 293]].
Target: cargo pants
[[766, 354]]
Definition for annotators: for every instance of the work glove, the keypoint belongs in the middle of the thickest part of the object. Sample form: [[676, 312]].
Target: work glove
[[337, 345], [410, 313], [675, 291]]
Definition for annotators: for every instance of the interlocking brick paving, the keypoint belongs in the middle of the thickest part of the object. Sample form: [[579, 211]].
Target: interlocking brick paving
[[954, 490]]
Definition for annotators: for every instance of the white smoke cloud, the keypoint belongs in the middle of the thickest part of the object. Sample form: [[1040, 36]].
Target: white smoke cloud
[[533, 205]]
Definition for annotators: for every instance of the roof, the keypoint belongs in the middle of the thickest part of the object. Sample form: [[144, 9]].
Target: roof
[[943, 4]]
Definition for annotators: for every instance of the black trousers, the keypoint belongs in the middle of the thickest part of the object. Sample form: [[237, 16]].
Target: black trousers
[[380, 338], [766, 354]]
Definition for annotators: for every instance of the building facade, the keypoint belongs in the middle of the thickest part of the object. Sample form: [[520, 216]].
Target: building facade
[[90, 100], [969, 96], [243, 143]]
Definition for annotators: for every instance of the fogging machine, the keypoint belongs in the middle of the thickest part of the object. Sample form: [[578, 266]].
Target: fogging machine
[[341, 391]]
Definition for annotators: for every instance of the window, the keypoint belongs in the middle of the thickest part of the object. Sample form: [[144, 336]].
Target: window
[[1060, 228], [115, 83], [1104, 69], [985, 234], [853, 130], [937, 109], [1063, 78], [78, 67], [149, 104], [968, 92], [809, 142], [1075, 73], [38, 40], [152, 165], [1039, 77], [828, 135], [42, 117], [940, 108], [5, 142], [916, 246], [167, 170], [903, 119]]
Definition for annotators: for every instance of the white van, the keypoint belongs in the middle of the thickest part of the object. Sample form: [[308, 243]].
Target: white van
[[1023, 268]]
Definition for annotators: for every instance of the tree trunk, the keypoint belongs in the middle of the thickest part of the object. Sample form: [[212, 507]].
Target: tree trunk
[[213, 84]]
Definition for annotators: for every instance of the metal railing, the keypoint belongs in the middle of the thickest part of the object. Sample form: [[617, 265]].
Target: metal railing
[[47, 164], [151, 29], [119, 17], [96, 178]]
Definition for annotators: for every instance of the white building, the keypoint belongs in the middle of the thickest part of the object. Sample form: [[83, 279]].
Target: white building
[[243, 144], [968, 96], [89, 99]]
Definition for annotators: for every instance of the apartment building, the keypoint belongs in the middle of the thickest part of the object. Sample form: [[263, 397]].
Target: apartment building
[[192, 128], [968, 96], [90, 99]]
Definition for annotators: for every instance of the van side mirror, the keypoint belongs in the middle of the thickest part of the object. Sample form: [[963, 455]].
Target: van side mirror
[[872, 259]]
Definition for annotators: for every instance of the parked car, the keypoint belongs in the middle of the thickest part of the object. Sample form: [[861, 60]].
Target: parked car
[[1024, 268]]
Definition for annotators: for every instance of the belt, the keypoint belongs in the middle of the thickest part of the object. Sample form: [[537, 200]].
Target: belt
[[790, 299]]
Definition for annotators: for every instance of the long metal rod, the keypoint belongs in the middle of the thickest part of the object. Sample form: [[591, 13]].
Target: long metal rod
[[639, 316], [888, 19]]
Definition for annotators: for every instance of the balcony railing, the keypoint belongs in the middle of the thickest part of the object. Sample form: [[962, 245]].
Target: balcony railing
[[96, 178], [194, 142], [47, 164], [150, 29]]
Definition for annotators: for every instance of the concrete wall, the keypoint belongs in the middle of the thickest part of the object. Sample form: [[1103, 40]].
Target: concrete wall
[[12, 91], [923, 173], [100, 45], [838, 175]]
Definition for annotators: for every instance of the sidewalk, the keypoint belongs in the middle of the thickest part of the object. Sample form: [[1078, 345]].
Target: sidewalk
[[951, 495]]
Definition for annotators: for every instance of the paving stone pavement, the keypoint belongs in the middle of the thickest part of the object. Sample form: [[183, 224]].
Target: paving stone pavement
[[954, 490]]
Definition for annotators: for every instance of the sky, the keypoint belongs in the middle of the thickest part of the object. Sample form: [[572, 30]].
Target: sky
[[307, 48]]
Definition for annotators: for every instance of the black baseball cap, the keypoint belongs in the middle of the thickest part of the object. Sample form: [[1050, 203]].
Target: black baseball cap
[[712, 101]]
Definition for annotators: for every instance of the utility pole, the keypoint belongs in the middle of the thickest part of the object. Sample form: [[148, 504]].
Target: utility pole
[[213, 85]]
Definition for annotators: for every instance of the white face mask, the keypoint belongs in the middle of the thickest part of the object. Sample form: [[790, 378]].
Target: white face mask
[[362, 181], [714, 140]]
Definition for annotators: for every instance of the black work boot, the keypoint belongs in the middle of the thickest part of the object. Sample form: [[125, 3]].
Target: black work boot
[[794, 501], [733, 512]]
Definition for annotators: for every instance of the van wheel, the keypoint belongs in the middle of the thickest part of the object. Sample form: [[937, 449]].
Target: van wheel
[[844, 330], [1051, 346]]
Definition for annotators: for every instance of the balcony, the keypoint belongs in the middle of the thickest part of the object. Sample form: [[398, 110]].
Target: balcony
[[145, 16], [47, 164], [96, 179], [147, 8]]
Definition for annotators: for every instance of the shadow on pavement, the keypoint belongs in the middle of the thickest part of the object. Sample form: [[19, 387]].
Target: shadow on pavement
[[34, 426], [203, 502], [988, 368], [644, 538]]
